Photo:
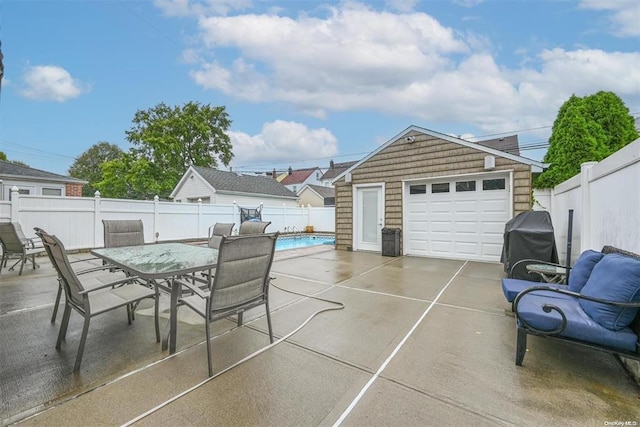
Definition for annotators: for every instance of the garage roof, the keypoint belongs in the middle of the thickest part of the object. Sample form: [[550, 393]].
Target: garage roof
[[412, 130]]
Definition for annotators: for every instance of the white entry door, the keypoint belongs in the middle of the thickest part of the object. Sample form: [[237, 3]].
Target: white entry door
[[369, 218]]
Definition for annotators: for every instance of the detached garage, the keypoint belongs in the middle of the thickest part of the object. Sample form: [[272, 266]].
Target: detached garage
[[449, 197]]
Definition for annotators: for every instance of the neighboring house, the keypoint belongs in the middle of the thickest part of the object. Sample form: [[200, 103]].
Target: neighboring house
[[334, 170], [296, 179], [449, 197], [220, 187], [508, 144], [316, 195], [36, 182]]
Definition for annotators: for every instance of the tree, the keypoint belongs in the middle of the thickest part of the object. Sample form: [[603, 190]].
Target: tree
[[88, 165], [586, 129], [3, 156], [166, 141]]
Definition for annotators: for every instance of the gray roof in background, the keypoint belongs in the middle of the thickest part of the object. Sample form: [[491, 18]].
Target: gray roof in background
[[233, 182], [337, 169], [323, 191], [18, 171], [508, 144]]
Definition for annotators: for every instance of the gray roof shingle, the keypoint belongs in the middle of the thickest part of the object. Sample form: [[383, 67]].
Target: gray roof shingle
[[15, 170], [323, 191], [233, 182]]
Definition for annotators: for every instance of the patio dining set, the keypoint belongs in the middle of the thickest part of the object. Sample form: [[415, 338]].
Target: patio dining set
[[222, 279]]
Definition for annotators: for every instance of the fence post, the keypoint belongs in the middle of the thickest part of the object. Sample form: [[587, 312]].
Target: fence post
[[156, 218], [199, 217], [15, 204], [96, 218], [235, 211], [585, 189]]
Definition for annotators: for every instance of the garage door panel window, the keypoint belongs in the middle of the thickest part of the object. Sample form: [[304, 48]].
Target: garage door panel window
[[442, 187], [418, 189], [494, 184], [462, 186]]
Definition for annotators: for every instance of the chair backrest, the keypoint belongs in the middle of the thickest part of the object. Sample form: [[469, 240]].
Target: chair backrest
[[12, 238], [123, 232], [58, 256], [253, 227], [242, 273], [218, 230]]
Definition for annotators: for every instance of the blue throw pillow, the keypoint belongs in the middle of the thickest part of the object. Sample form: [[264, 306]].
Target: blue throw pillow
[[582, 269], [615, 278]]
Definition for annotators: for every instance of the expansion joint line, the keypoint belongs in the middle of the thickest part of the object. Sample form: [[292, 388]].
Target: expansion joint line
[[339, 306], [375, 376]]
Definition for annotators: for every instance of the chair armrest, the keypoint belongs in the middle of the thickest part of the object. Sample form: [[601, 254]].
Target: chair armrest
[[110, 284], [534, 261], [548, 307], [204, 294], [97, 268], [34, 242]]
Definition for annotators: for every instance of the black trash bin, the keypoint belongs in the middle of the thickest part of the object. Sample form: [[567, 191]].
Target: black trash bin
[[390, 241]]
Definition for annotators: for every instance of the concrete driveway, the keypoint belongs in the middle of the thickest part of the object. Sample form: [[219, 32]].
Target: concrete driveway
[[419, 342]]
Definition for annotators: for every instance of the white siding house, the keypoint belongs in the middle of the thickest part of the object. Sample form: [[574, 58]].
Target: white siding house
[[214, 186], [36, 182]]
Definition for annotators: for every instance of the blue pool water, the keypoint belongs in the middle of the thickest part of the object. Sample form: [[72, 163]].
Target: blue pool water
[[303, 241]]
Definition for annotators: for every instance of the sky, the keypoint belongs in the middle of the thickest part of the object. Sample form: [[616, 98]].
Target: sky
[[306, 81]]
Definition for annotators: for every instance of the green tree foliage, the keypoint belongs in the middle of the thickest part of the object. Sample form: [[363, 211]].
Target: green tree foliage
[[3, 156], [586, 129], [88, 165], [166, 141]]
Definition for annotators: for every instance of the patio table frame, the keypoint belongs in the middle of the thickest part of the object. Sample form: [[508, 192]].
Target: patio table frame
[[162, 262]]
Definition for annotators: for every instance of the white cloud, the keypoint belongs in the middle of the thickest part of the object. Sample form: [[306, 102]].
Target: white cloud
[[51, 83], [467, 3], [625, 15], [355, 58], [281, 141], [193, 8]]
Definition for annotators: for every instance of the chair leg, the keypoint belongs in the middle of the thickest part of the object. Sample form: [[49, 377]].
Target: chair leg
[[22, 263], [57, 303], [83, 340], [156, 316], [63, 325], [266, 304], [3, 262], [521, 346], [209, 355]]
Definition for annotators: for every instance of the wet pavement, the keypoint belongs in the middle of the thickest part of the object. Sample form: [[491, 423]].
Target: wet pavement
[[420, 341]]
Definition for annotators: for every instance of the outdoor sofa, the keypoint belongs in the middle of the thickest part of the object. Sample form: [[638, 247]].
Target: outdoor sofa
[[597, 309]]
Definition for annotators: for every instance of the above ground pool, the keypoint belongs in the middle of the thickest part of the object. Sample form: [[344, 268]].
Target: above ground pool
[[302, 241]]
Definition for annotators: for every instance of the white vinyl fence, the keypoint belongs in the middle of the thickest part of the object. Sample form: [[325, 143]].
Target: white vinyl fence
[[77, 221], [605, 198]]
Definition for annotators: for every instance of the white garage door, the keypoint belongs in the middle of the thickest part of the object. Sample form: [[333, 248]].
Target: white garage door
[[461, 218]]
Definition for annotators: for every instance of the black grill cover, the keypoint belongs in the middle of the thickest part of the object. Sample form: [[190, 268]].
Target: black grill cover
[[529, 235]]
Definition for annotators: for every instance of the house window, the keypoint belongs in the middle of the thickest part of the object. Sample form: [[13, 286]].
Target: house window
[[295, 188], [52, 192], [24, 191], [440, 188], [494, 184], [465, 186], [418, 189]]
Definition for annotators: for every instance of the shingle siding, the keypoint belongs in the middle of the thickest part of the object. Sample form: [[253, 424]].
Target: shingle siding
[[426, 157]]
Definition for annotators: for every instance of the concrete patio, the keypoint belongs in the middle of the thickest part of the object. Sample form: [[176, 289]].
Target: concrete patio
[[419, 342]]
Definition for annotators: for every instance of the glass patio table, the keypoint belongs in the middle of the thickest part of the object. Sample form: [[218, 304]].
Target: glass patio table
[[162, 261]]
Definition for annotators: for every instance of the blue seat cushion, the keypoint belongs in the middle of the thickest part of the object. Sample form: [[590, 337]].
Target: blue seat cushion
[[580, 326], [512, 287], [615, 278], [582, 269]]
